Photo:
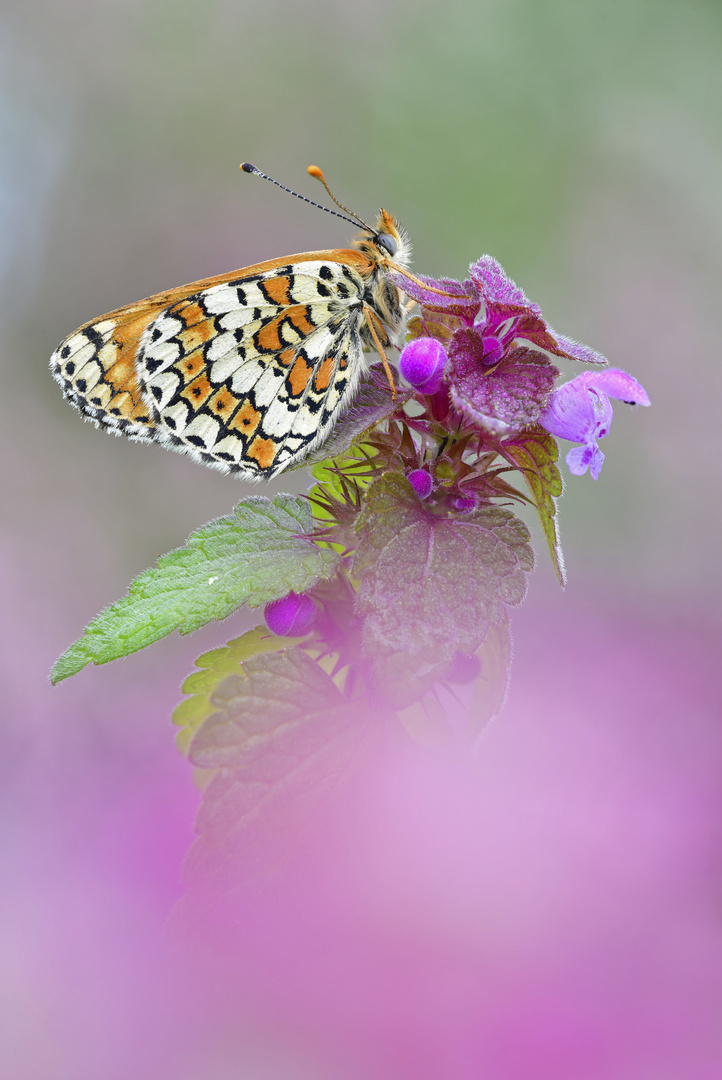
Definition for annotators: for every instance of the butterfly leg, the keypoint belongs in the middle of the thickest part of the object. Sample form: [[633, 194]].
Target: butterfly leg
[[371, 318]]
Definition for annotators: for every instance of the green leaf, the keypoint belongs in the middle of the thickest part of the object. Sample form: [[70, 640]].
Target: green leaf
[[431, 585], [535, 454], [280, 735], [214, 667], [255, 555], [372, 404]]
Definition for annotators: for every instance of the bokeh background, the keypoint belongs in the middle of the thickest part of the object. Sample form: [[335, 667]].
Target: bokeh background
[[550, 906]]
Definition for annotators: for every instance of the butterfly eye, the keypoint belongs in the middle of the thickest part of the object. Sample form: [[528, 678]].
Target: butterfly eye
[[387, 243]]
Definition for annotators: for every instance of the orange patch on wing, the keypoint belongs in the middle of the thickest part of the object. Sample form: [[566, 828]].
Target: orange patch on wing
[[194, 336], [263, 451], [191, 313], [190, 366], [276, 289], [287, 356], [246, 419], [298, 317], [198, 391], [324, 373], [223, 403], [299, 375], [268, 337], [127, 335], [121, 376]]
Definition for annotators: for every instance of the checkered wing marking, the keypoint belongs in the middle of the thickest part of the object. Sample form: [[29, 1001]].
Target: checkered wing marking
[[95, 369], [250, 375]]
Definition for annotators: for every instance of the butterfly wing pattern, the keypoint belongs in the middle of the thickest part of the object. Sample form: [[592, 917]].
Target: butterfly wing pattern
[[246, 372]]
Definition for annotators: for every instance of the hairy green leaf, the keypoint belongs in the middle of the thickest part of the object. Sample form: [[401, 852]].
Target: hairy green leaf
[[280, 734], [535, 454], [255, 555], [431, 585]]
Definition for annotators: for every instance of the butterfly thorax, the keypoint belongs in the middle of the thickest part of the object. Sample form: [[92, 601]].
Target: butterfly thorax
[[384, 246]]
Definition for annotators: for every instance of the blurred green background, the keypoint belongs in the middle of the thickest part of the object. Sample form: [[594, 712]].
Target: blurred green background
[[579, 142]]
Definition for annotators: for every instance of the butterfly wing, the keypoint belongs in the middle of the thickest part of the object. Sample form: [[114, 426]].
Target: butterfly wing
[[245, 372], [251, 374]]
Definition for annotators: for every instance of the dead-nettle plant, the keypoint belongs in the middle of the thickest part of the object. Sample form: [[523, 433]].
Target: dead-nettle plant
[[390, 583]]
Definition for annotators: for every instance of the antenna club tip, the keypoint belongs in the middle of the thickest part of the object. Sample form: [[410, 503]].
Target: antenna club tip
[[247, 167], [313, 170]]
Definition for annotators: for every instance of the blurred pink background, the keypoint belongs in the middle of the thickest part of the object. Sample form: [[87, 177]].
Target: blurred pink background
[[548, 906]]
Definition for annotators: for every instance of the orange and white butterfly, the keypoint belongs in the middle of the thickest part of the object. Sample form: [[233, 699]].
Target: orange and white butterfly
[[246, 372]]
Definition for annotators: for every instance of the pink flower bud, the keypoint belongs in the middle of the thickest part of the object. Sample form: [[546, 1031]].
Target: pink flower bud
[[464, 503], [422, 364], [292, 616], [421, 482]]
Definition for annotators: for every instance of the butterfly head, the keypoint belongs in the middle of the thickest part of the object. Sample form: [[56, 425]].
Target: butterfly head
[[387, 242]]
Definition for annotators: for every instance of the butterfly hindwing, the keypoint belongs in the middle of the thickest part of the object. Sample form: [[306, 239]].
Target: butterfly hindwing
[[95, 368], [251, 373]]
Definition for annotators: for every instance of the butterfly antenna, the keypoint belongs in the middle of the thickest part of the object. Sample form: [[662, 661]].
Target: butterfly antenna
[[247, 167], [315, 172]]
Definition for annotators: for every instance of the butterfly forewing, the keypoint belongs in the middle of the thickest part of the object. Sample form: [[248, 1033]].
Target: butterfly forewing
[[249, 373]]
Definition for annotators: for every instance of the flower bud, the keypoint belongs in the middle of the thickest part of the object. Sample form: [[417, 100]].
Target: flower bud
[[421, 482], [422, 364], [291, 616], [464, 503]]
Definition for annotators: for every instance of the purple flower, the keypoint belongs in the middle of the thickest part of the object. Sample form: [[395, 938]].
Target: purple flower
[[422, 364], [421, 482], [581, 412], [291, 616], [500, 371]]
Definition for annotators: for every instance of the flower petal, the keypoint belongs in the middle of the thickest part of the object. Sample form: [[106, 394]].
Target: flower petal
[[617, 384], [581, 458], [570, 412]]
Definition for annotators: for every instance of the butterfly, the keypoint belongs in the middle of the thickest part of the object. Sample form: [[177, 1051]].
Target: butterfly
[[245, 372]]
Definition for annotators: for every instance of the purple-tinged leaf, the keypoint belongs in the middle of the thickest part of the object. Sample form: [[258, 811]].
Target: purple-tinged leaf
[[431, 585], [462, 296], [502, 399], [496, 287], [575, 350]]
